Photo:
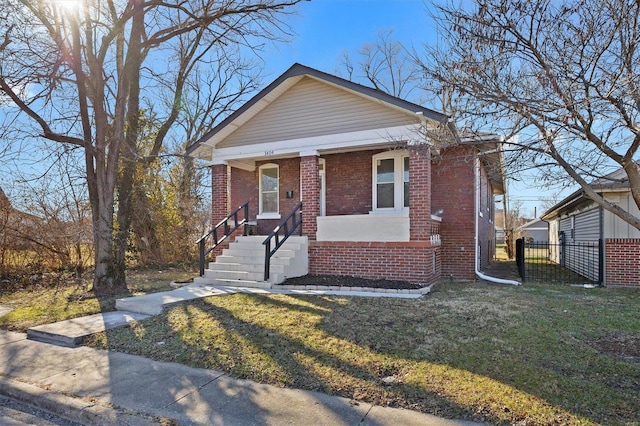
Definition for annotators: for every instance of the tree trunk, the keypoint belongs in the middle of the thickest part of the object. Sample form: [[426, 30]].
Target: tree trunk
[[132, 64], [125, 210], [103, 240]]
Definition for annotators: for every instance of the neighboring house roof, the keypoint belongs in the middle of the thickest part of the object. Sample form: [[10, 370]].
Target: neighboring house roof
[[612, 182], [534, 224], [202, 147]]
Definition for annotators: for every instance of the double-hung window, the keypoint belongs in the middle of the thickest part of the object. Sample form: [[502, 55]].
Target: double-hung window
[[391, 181], [269, 191]]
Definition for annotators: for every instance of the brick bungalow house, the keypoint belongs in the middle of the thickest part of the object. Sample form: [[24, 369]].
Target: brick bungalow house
[[578, 219], [379, 198]]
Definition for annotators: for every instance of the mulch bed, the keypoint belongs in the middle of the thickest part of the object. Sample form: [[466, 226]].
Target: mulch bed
[[345, 281]]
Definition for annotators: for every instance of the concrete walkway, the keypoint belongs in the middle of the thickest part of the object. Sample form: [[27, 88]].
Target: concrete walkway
[[72, 332], [99, 387]]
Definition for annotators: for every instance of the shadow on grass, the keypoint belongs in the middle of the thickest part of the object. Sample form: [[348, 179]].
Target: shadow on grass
[[312, 360], [542, 365], [324, 344], [502, 354]]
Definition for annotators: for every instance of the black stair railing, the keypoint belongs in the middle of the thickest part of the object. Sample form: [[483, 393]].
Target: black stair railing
[[226, 230], [288, 226]]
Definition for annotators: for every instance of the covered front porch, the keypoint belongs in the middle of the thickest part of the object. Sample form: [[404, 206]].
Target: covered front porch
[[358, 161], [365, 213]]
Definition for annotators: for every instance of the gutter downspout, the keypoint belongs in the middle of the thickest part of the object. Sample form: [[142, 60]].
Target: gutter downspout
[[476, 211]]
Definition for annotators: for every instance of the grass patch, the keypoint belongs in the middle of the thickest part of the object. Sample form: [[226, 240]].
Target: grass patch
[[537, 354], [57, 297]]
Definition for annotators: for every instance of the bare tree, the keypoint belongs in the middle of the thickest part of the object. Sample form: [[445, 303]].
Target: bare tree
[[560, 79], [84, 77], [512, 221], [384, 64], [47, 222], [228, 79]]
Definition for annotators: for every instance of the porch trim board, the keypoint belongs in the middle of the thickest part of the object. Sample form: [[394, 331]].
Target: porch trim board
[[350, 140]]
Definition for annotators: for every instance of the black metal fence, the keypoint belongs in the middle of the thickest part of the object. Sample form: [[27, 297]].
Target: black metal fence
[[571, 263]]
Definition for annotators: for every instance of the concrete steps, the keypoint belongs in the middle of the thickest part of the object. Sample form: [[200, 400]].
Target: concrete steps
[[239, 268], [242, 264]]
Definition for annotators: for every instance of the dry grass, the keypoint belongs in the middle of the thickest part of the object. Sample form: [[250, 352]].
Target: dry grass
[[518, 355], [48, 298]]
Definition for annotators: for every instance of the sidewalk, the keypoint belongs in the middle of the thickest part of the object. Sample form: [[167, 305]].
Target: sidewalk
[[100, 387]]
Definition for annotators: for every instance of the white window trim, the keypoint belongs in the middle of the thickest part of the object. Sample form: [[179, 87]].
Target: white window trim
[[398, 181], [323, 195], [268, 215]]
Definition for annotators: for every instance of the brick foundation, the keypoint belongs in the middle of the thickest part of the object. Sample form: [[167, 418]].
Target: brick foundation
[[416, 262], [622, 262]]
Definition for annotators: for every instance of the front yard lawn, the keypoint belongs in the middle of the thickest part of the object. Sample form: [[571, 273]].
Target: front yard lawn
[[57, 297], [536, 354]]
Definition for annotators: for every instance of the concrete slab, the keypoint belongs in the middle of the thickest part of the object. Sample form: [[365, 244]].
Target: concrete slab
[[398, 416], [309, 292], [4, 310], [229, 402], [75, 409], [153, 304], [72, 332], [122, 379], [7, 337], [37, 360]]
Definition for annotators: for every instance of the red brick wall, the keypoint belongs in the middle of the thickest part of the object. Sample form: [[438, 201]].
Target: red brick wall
[[349, 182], [310, 195], [244, 187], [416, 262], [622, 262], [486, 229], [419, 194], [219, 193], [452, 191]]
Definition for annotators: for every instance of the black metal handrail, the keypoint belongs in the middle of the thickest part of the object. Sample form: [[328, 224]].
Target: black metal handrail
[[227, 231], [280, 239]]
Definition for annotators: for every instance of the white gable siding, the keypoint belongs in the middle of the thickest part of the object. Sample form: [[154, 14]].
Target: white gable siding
[[311, 108], [614, 227]]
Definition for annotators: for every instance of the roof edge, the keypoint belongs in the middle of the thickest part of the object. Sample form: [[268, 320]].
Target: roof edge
[[301, 70]]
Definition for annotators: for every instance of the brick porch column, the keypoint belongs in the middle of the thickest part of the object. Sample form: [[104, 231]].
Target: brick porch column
[[419, 194], [310, 193], [219, 193]]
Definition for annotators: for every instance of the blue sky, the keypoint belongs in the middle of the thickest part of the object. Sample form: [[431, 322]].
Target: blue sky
[[325, 29]]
